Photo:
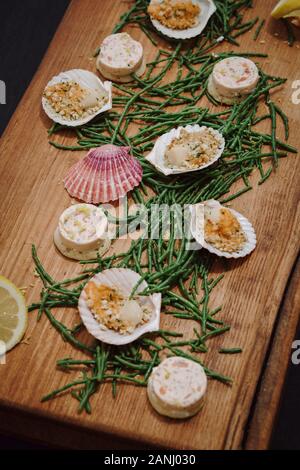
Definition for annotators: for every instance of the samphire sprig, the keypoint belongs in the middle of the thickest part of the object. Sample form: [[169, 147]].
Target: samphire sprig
[[166, 263], [246, 148], [135, 362], [226, 22]]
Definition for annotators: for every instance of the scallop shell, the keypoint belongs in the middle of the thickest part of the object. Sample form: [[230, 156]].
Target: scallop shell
[[105, 174], [123, 280], [197, 230], [156, 156], [87, 80], [207, 7]]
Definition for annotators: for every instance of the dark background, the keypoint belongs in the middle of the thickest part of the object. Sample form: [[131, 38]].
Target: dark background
[[26, 29]]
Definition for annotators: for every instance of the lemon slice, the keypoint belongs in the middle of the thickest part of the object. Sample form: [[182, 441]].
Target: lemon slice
[[294, 13], [13, 314], [285, 7]]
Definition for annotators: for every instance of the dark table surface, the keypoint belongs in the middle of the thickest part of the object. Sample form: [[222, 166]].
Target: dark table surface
[[27, 27]]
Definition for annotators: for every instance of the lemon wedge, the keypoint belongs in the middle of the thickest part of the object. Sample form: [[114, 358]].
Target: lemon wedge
[[13, 314], [285, 8], [295, 16]]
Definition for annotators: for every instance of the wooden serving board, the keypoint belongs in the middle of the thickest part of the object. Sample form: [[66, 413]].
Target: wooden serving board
[[32, 198]]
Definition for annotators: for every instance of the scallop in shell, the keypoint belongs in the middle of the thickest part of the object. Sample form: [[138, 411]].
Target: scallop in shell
[[209, 148], [110, 315], [238, 235], [105, 174], [75, 97], [207, 9]]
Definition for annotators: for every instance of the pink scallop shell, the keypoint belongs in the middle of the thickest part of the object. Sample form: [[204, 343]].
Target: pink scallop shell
[[105, 174]]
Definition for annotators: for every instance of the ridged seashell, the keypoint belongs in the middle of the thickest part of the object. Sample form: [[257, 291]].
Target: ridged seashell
[[207, 9], [157, 155], [197, 230], [105, 174], [123, 281], [87, 80]]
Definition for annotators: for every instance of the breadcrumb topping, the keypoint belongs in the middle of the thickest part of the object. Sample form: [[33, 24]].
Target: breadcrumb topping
[[192, 149], [175, 14], [226, 233], [106, 304], [68, 100]]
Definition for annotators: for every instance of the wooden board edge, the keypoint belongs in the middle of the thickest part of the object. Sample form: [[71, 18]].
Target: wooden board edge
[[267, 398], [42, 431], [264, 406]]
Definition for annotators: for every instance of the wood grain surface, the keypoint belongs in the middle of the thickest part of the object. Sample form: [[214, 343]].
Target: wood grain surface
[[261, 424], [32, 198]]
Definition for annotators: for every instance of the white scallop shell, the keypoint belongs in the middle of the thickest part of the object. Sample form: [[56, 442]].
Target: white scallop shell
[[208, 8], [87, 80], [123, 280], [197, 230], [156, 156]]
